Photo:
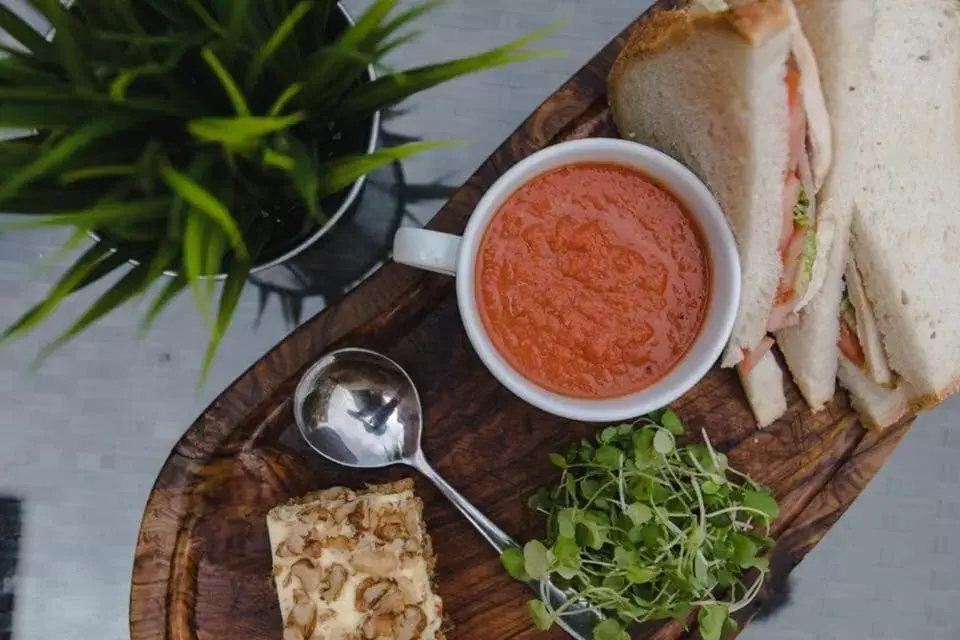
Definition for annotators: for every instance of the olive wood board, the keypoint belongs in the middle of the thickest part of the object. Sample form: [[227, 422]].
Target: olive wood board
[[203, 561]]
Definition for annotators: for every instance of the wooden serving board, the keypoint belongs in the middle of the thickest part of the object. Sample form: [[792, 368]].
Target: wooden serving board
[[202, 567]]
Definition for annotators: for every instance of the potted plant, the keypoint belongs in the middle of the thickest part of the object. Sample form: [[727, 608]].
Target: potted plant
[[196, 140]]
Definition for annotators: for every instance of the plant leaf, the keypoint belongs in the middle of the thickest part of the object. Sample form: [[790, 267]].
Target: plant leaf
[[342, 172], [535, 560], [390, 89], [711, 619], [744, 549], [65, 39], [639, 513], [94, 264], [609, 629], [540, 614], [306, 177], [206, 203], [278, 160], [102, 214], [132, 284], [237, 131], [333, 69], [762, 501], [276, 40], [284, 98], [213, 251], [123, 80], [640, 575], [239, 9], [22, 69], [50, 199], [194, 239], [59, 154], [566, 523], [227, 82], [663, 442], [411, 14], [369, 22], [394, 43], [44, 115], [172, 10], [671, 422], [146, 39], [99, 172], [25, 34], [512, 561], [229, 298], [170, 291], [72, 244], [609, 456], [206, 18]]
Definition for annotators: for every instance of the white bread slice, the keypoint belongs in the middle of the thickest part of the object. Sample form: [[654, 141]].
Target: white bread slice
[[810, 347], [906, 229], [764, 389], [710, 92], [838, 32], [878, 407]]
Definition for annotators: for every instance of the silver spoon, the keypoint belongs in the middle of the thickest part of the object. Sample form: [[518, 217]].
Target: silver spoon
[[360, 409]]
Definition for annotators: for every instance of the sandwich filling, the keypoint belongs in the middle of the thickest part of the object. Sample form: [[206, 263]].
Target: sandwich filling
[[860, 340], [798, 236], [849, 343]]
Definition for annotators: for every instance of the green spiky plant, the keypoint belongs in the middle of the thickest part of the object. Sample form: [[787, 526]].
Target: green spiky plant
[[166, 127]]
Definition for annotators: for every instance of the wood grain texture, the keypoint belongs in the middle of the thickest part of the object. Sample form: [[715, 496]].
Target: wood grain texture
[[202, 567]]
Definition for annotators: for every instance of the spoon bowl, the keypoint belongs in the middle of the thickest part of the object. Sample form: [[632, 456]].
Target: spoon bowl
[[359, 409]]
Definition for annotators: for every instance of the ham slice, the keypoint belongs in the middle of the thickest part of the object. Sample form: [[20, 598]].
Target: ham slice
[[793, 236], [783, 316], [793, 257], [751, 358], [797, 131], [850, 346]]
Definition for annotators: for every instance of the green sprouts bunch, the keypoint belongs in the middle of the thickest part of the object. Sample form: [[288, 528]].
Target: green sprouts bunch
[[643, 529]]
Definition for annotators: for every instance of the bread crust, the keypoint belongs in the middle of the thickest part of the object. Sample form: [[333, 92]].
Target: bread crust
[[931, 400], [754, 22]]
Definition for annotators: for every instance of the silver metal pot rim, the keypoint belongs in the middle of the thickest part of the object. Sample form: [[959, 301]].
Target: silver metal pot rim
[[348, 201]]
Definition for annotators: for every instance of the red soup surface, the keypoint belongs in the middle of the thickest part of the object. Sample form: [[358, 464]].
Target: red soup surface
[[592, 281]]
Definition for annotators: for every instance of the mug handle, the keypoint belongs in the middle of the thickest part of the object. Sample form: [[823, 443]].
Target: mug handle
[[426, 249]]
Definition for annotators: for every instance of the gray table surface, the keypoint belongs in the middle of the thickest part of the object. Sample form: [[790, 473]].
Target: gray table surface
[[83, 440]]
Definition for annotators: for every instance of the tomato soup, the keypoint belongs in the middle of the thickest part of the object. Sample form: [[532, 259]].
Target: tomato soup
[[592, 281]]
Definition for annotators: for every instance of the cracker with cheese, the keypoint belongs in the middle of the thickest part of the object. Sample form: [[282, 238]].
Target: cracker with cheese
[[355, 565]]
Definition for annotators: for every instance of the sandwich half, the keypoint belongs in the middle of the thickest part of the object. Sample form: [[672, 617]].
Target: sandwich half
[[877, 394], [904, 279], [735, 95], [882, 320], [839, 32]]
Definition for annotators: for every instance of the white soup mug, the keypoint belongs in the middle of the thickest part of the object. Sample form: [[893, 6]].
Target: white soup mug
[[457, 256]]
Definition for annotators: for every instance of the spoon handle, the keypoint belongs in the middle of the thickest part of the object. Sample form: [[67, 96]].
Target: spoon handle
[[496, 536], [579, 621]]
